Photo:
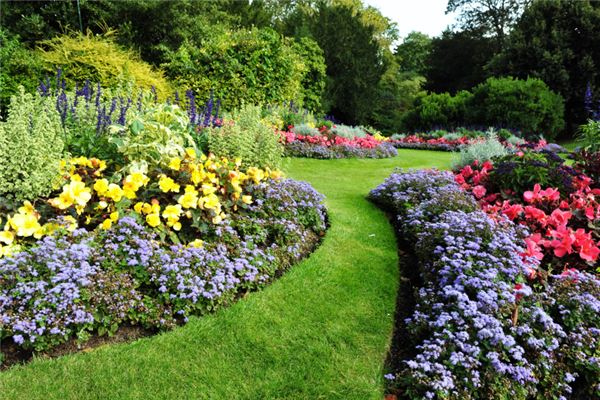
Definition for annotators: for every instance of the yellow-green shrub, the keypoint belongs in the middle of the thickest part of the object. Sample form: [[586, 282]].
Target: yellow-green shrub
[[99, 59], [31, 146]]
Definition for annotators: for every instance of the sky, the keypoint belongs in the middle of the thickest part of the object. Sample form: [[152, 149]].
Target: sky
[[427, 16]]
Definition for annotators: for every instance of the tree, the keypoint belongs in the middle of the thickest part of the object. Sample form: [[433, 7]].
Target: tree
[[491, 17], [558, 42], [413, 53], [354, 60], [457, 61]]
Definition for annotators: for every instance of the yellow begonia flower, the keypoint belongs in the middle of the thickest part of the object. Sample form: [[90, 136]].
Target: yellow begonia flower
[[133, 182], [197, 175], [114, 217], [167, 184], [210, 202], [208, 189], [172, 212], [114, 192], [72, 223], [79, 193], [27, 208], [138, 207], [175, 164], [106, 224], [177, 226], [217, 219], [196, 243], [7, 237], [101, 186], [75, 177], [25, 224], [191, 153], [153, 219], [102, 205], [190, 198], [247, 199], [147, 208]]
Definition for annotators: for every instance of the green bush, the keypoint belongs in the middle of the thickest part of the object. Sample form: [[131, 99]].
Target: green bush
[[589, 136], [99, 59], [31, 147], [154, 137], [438, 110], [254, 66], [527, 105], [348, 132], [481, 151], [19, 67], [245, 135], [314, 76]]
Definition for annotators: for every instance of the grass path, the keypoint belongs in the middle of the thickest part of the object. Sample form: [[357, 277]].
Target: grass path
[[319, 332]]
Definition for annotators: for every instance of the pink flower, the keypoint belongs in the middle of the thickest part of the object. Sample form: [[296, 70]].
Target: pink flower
[[479, 191]]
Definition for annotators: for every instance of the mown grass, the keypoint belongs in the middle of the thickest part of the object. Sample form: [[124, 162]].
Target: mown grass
[[319, 332]]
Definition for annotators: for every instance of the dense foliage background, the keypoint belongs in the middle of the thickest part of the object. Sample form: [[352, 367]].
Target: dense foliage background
[[336, 57]]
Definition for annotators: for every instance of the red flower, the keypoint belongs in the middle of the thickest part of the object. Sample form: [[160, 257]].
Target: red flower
[[533, 250], [558, 218], [512, 211], [479, 191]]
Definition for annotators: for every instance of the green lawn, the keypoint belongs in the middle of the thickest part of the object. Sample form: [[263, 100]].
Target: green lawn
[[319, 332]]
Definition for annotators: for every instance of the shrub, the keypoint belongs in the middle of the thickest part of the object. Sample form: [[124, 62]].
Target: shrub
[[20, 67], [589, 136], [252, 66], [527, 105], [314, 74], [99, 59], [434, 110], [520, 172], [305, 130], [246, 136], [481, 151], [31, 146], [154, 137], [348, 132]]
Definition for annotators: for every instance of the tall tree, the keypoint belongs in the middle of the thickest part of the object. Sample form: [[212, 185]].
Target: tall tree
[[413, 53], [558, 42], [353, 58], [457, 61], [491, 17]]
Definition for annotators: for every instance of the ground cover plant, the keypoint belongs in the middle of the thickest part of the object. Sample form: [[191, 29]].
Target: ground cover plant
[[483, 321]]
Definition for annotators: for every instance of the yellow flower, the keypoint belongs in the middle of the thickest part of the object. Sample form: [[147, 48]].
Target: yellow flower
[[7, 237], [114, 217], [114, 192], [88, 220], [106, 224], [147, 208], [210, 202], [62, 202], [191, 153], [27, 208], [76, 177], [190, 198], [197, 174], [138, 207], [25, 224], [72, 223], [101, 186], [102, 205], [196, 243], [247, 199], [133, 182], [177, 226], [175, 164], [153, 219], [172, 212], [208, 189], [217, 219], [79, 193], [256, 174], [275, 174], [167, 184]]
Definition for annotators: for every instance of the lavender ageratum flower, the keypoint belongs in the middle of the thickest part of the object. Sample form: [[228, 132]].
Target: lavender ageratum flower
[[464, 322], [309, 150], [96, 281]]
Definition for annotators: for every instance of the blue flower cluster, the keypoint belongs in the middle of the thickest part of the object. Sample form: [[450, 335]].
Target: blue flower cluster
[[72, 285], [309, 150], [479, 328]]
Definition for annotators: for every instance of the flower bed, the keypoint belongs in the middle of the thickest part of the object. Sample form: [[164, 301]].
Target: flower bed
[[327, 145], [481, 328], [146, 249]]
